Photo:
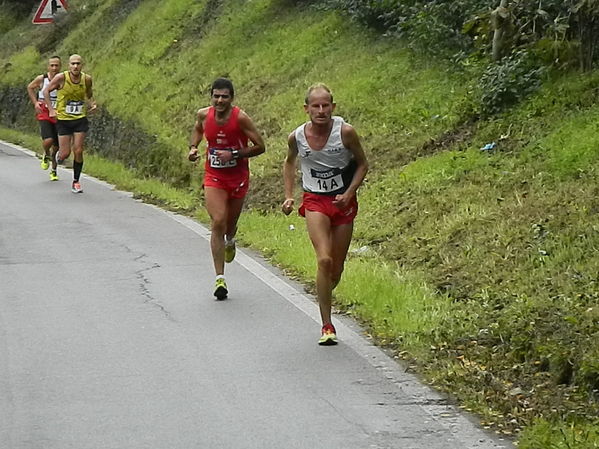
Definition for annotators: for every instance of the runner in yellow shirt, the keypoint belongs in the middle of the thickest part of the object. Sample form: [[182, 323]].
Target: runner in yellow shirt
[[74, 101]]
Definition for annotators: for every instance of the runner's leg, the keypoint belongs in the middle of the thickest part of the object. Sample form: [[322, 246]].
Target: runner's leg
[[319, 230], [47, 135], [64, 144], [54, 147], [53, 157], [78, 139], [234, 209], [47, 144], [341, 238], [217, 205]]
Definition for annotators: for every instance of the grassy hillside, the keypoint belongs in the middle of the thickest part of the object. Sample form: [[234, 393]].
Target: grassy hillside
[[477, 267]]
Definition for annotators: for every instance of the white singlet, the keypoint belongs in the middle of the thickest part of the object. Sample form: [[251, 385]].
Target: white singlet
[[53, 94], [328, 171]]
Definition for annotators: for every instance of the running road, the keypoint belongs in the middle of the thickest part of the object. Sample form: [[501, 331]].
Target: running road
[[110, 339]]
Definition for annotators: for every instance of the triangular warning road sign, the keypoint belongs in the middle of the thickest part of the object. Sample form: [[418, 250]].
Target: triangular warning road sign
[[47, 9]]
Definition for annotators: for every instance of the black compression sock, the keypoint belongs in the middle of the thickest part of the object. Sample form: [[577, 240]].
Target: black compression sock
[[77, 167]]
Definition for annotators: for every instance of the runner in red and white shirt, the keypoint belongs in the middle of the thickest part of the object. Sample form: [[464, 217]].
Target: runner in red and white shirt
[[47, 124], [227, 130], [333, 166]]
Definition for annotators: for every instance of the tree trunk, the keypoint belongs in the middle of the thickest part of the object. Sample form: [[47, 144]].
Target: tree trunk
[[499, 22]]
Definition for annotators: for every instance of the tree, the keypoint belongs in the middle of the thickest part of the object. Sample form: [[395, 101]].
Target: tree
[[500, 22], [587, 25], [19, 7]]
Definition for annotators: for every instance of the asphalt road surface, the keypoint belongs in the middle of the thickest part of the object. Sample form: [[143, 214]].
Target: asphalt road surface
[[110, 338]]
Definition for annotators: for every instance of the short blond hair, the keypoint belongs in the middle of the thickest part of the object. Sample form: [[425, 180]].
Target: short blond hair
[[317, 86]]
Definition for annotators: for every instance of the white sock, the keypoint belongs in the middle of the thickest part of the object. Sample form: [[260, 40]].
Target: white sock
[[220, 276]]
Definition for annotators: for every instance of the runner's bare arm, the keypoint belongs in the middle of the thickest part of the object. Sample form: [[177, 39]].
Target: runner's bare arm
[[289, 174], [196, 135], [351, 141], [249, 129], [32, 88]]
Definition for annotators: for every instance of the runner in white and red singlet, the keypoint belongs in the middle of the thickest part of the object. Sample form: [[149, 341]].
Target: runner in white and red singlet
[[333, 166], [47, 124]]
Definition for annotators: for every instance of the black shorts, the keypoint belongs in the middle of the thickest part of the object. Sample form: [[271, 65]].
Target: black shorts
[[69, 127], [48, 131]]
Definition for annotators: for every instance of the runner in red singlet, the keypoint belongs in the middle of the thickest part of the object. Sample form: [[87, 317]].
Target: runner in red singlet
[[227, 130], [333, 166]]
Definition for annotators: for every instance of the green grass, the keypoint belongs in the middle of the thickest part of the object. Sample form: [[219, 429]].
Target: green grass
[[479, 268], [554, 436], [269, 66], [19, 138], [27, 60], [7, 19]]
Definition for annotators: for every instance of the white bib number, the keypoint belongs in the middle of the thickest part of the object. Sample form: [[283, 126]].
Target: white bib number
[[325, 182], [74, 107], [215, 162]]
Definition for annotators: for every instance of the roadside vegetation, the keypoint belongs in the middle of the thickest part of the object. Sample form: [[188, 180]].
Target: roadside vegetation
[[475, 257]]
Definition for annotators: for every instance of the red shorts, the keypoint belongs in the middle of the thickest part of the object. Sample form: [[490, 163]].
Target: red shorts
[[236, 188], [324, 205], [45, 114]]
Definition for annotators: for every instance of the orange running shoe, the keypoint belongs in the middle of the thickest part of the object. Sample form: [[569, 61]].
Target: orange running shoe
[[329, 335], [76, 187]]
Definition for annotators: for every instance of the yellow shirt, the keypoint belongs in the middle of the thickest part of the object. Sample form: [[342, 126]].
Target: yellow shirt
[[70, 102]]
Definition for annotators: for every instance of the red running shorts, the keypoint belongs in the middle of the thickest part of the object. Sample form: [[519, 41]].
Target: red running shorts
[[324, 205], [236, 188]]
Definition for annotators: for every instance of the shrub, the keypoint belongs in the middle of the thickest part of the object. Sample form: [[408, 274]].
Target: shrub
[[445, 26], [508, 82]]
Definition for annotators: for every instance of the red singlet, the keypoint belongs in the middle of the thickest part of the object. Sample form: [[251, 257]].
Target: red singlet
[[228, 136]]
